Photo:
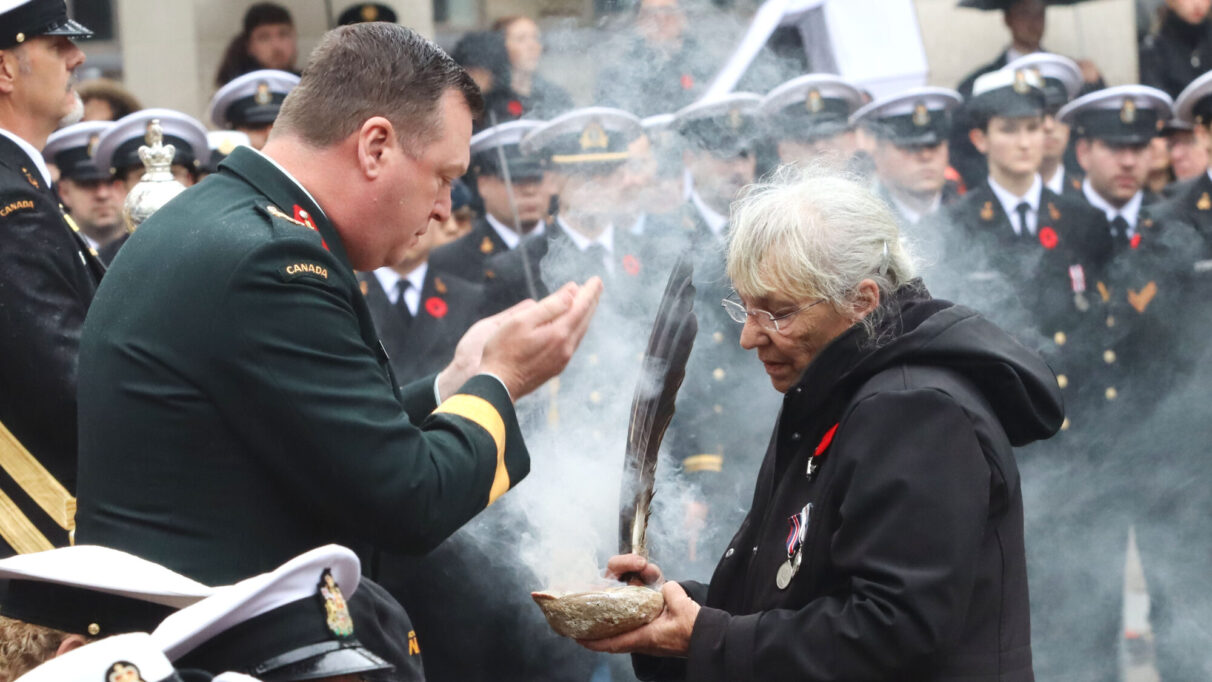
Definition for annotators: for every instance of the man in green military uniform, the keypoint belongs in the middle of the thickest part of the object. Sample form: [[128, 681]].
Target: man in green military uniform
[[237, 407]]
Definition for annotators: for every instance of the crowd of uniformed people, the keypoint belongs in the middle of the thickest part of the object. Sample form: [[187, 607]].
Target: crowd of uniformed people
[[1077, 216]]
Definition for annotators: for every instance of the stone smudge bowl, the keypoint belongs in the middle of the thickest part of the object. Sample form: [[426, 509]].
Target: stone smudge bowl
[[599, 614]]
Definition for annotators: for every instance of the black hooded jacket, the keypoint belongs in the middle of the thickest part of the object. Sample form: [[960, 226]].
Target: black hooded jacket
[[913, 565]]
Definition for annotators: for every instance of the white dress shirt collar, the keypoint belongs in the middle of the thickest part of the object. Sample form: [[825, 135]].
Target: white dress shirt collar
[[35, 156], [1057, 182], [389, 279], [292, 179], [715, 222], [1010, 202], [507, 234], [1130, 211]]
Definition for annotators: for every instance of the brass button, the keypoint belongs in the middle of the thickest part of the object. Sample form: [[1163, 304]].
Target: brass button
[[94, 629], [1065, 424], [595, 397], [20, 37], [718, 409], [1111, 393], [718, 337], [1110, 320], [1062, 380], [1109, 356], [718, 374], [593, 359], [1060, 338]]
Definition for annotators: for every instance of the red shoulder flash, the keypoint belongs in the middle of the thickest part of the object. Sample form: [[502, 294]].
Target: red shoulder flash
[[822, 446]]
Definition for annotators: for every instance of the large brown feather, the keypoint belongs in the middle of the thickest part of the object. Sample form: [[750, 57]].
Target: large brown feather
[[652, 408]]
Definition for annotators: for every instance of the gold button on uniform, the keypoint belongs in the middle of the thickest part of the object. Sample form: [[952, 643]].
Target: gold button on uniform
[[1111, 393], [1062, 380], [718, 374], [1065, 424], [1110, 320], [1109, 356], [593, 359], [1060, 338], [718, 337], [719, 409], [20, 37], [595, 397], [94, 629]]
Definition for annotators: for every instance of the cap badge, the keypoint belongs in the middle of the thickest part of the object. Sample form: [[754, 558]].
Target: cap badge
[[92, 145], [987, 211], [734, 119], [921, 115], [123, 671], [594, 137], [1127, 113], [1021, 86], [263, 95], [336, 611], [370, 12], [814, 102]]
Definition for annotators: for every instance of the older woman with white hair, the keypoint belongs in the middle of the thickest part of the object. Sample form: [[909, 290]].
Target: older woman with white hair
[[885, 536]]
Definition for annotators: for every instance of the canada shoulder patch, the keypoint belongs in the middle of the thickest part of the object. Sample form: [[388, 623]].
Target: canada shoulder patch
[[12, 207], [304, 269]]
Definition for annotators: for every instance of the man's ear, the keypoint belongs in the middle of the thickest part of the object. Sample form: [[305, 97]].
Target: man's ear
[[70, 643], [9, 68], [1082, 148], [376, 142], [979, 140]]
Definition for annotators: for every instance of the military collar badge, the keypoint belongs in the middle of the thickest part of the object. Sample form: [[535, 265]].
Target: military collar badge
[[987, 211], [336, 611], [1204, 203], [486, 246]]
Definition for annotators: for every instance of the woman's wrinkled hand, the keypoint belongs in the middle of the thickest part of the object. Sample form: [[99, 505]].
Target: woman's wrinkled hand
[[668, 635]]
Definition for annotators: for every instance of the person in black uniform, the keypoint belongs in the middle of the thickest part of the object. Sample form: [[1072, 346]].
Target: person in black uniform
[[659, 68], [1178, 48], [118, 152], [244, 391], [91, 196], [420, 311], [1043, 251], [885, 539], [495, 231], [250, 103], [523, 93], [1192, 201], [1062, 82], [48, 274], [809, 119]]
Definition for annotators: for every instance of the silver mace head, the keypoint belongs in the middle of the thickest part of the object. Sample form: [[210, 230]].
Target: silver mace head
[[157, 186]]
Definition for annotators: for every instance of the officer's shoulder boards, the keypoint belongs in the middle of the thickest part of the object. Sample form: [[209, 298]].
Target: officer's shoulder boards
[[278, 213], [299, 269]]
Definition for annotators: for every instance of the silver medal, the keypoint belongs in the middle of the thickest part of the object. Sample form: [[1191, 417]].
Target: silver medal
[[785, 574]]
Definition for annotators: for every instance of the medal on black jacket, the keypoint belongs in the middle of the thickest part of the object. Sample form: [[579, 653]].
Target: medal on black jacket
[[795, 545]]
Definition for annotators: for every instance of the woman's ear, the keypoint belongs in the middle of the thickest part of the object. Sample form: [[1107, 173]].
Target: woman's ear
[[70, 643], [867, 300]]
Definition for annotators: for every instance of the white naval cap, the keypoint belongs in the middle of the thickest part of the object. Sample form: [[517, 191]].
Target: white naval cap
[[919, 116], [295, 616], [222, 143], [72, 148], [1194, 103], [727, 123], [811, 106], [592, 135], [118, 148], [21, 20], [252, 99], [1062, 76], [657, 124], [132, 657], [91, 590], [502, 134], [490, 144], [1124, 114], [1008, 92]]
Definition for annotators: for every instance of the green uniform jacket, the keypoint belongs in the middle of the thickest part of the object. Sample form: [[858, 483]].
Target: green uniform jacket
[[238, 409]]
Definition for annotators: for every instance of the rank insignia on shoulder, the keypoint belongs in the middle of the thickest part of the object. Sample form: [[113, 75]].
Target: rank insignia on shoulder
[[414, 647], [335, 609], [296, 270], [987, 211], [486, 246], [32, 181], [279, 213], [22, 205], [439, 285], [1204, 203]]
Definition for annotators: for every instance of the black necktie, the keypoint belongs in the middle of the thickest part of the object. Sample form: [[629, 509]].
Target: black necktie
[[1119, 231], [401, 303], [1022, 210]]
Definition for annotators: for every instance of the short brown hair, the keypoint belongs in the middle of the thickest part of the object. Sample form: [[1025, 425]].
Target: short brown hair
[[374, 69], [120, 100], [25, 646]]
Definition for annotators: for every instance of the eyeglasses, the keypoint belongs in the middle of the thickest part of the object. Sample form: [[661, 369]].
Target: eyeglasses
[[765, 320]]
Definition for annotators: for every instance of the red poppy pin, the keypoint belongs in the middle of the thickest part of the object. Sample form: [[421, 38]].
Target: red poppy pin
[[687, 81], [631, 265], [1047, 237], [821, 447], [1135, 241], [514, 107], [436, 307]]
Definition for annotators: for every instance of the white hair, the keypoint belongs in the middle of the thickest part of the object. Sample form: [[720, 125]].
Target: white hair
[[815, 232]]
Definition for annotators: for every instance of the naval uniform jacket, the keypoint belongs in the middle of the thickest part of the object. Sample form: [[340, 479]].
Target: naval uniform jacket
[[449, 306], [238, 407], [48, 276], [913, 564], [465, 256]]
